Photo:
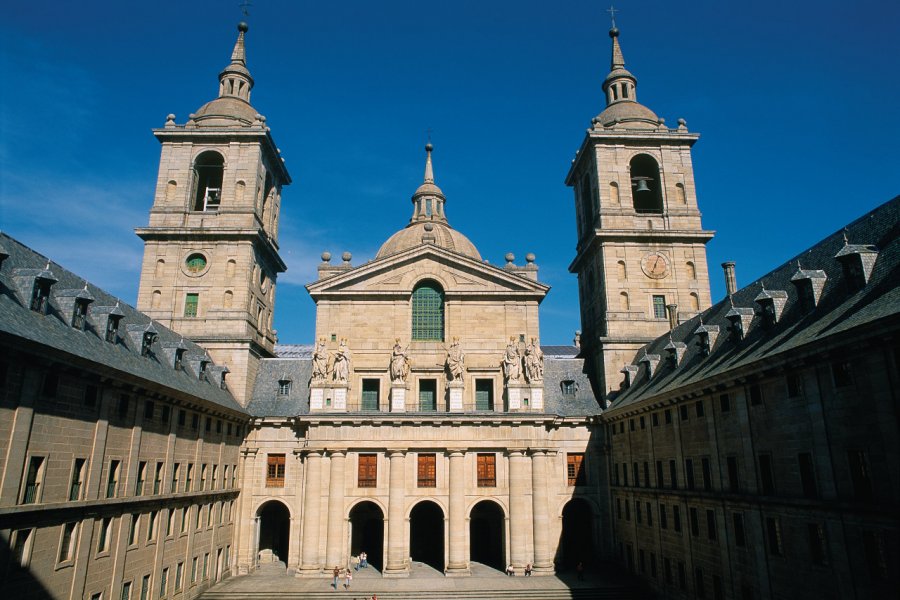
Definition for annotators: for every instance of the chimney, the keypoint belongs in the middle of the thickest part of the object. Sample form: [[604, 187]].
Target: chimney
[[730, 279], [672, 309]]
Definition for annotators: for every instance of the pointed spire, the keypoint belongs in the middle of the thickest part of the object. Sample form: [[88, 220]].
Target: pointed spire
[[620, 85], [235, 80], [618, 59], [428, 201]]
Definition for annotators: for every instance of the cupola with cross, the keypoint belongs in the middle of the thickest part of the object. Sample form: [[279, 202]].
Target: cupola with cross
[[211, 247], [641, 251]]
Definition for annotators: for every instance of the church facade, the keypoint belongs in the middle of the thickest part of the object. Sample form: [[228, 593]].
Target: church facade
[[713, 450]]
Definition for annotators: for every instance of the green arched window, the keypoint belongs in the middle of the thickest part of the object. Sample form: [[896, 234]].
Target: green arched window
[[428, 312]]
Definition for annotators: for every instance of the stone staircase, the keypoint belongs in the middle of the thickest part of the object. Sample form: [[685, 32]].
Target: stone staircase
[[604, 593]]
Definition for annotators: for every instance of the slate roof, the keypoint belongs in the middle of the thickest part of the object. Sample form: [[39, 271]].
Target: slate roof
[[267, 402], [841, 309], [22, 327]]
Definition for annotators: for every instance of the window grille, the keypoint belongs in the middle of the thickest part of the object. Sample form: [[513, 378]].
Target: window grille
[[191, 303], [370, 394], [428, 312], [275, 471], [659, 307]]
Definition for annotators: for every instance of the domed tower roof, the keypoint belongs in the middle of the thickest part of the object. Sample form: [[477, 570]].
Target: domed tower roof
[[232, 107], [620, 87], [428, 224]]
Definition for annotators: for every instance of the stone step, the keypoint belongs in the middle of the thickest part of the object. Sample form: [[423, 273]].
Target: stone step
[[604, 593]]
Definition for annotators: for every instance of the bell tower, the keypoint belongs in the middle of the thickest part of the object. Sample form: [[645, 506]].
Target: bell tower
[[211, 248], [641, 252]]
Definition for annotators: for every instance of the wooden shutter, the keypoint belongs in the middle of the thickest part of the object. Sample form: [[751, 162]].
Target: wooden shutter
[[427, 468], [367, 474]]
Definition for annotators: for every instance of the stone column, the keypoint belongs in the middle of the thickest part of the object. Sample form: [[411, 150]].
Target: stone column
[[457, 563], [397, 553], [334, 553], [518, 508], [310, 563], [540, 498]]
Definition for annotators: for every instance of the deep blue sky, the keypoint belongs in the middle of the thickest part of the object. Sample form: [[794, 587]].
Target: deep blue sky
[[796, 103]]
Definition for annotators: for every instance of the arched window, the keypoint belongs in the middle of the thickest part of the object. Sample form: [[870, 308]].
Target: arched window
[[614, 192], [208, 170], [624, 304], [691, 270], [646, 189], [695, 301], [428, 312], [679, 192], [623, 273]]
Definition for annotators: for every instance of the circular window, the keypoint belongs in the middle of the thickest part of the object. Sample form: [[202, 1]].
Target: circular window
[[195, 263]]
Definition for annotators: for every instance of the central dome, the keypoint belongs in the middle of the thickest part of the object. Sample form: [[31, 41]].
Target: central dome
[[428, 224], [437, 233]]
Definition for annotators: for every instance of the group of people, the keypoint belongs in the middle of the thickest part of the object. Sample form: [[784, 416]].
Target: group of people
[[362, 562], [511, 570]]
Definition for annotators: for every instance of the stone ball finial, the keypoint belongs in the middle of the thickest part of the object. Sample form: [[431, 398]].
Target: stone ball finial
[[429, 147], [346, 256], [429, 227], [614, 31], [662, 121], [529, 258], [170, 117], [191, 116], [510, 257], [326, 256], [682, 122], [243, 27]]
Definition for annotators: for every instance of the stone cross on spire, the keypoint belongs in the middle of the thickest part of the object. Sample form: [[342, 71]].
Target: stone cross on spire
[[612, 10]]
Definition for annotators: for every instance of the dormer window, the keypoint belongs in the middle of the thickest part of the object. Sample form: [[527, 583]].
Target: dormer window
[[222, 384], [179, 358], [857, 262], [284, 387], [40, 294], [740, 319], [568, 387], [79, 313], [147, 339], [204, 364], [112, 328]]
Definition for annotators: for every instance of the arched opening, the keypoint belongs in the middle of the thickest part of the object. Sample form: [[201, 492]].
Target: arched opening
[[486, 534], [426, 534], [208, 170], [622, 271], [614, 192], [646, 189], [691, 270], [587, 203], [428, 311], [695, 301], [624, 304], [679, 193], [274, 530], [367, 533], [577, 541]]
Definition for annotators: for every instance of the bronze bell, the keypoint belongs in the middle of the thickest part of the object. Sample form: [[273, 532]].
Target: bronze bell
[[641, 183]]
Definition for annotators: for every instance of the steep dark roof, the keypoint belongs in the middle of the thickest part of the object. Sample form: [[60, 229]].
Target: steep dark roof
[[267, 402], [22, 327], [842, 307]]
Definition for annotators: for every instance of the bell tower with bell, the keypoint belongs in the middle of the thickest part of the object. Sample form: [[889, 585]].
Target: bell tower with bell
[[211, 248], [641, 252]]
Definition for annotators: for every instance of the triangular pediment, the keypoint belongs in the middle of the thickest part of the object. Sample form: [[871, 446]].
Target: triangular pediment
[[399, 273]]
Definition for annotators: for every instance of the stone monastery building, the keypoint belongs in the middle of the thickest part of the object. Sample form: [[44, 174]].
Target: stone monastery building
[[743, 449]]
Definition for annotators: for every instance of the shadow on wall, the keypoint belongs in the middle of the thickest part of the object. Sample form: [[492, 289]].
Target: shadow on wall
[[17, 580]]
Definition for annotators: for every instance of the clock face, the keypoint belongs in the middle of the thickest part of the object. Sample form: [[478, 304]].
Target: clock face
[[655, 265]]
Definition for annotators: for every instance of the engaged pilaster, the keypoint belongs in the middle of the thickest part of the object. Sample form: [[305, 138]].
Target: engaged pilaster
[[457, 563]]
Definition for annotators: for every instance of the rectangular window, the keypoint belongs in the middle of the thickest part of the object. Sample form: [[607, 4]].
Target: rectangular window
[[90, 395], [487, 470], [794, 386], [773, 536], [133, 529], [724, 403], [841, 373], [873, 544], [191, 301], [275, 470], [284, 387], [682, 576], [195, 421], [627, 510], [182, 418], [668, 416], [737, 521], [646, 474], [370, 392], [175, 473], [698, 583], [859, 473], [141, 477], [164, 582], [711, 525], [203, 472], [112, 481], [649, 508], [625, 474], [104, 535], [676, 518], [367, 472], [126, 590], [652, 564], [194, 570], [637, 511], [157, 478], [689, 473], [575, 469], [636, 475], [206, 565], [189, 479], [427, 467], [77, 479], [707, 474], [818, 549], [484, 394], [618, 508], [428, 395], [659, 474], [149, 410], [807, 475], [733, 481], [654, 418], [643, 422], [766, 475], [151, 525], [699, 408], [663, 518], [145, 587], [170, 522], [683, 412], [67, 542], [695, 521], [756, 397], [21, 547], [179, 575], [667, 569], [673, 474], [33, 479], [659, 307], [184, 519]]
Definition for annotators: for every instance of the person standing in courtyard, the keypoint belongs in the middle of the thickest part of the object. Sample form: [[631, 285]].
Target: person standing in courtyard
[[336, 574], [348, 579]]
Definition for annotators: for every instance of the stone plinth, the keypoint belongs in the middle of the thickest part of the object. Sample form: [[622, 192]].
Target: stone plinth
[[398, 396], [515, 393], [317, 396], [455, 391]]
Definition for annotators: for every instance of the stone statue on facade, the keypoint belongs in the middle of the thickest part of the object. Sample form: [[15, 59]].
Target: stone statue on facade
[[455, 360], [534, 362], [340, 369], [320, 362], [512, 362], [399, 362]]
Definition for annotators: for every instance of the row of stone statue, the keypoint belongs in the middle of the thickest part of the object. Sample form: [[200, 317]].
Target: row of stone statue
[[336, 367]]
